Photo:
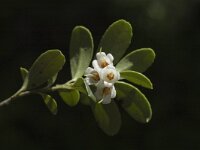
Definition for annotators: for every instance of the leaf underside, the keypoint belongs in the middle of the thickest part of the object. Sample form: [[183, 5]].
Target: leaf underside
[[108, 117], [45, 67], [81, 51], [50, 103], [70, 97], [139, 60], [136, 78], [134, 102], [116, 39]]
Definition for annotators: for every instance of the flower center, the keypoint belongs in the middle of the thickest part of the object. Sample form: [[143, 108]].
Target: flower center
[[95, 76], [103, 63], [110, 76], [106, 91]]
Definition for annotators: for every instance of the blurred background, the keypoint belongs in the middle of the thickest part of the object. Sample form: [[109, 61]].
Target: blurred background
[[171, 28]]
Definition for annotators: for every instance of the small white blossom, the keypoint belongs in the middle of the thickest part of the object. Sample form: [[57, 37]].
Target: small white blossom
[[109, 75], [92, 76], [104, 94], [104, 60]]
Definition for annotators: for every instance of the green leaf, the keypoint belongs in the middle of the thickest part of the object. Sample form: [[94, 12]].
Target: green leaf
[[24, 73], [136, 78], [52, 80], [134, 102], [45, 67], [138, 60], [50, 103], [70, 97], [81, 51], [79, 85], [108, 117], [116, 39], [82, 86], [85, 100]]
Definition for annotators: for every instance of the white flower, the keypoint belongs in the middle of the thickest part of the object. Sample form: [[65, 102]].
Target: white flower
[[109, 75], [103, 76], [104, 94], [104, 60], [92, 75]]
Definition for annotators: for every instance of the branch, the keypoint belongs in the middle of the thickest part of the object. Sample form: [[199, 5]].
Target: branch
[[19, 93]]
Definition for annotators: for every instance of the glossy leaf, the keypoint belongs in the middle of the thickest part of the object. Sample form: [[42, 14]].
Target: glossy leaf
[[138, 60], [45, 67], [70, 97], [108, 117], [134, 102], [50, 103], [81, 51], [116, 39], [136, 78]]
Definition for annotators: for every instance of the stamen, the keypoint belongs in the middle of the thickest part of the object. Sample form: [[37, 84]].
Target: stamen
[[103, 63], [95, 76], [106, 91], [110, 76]]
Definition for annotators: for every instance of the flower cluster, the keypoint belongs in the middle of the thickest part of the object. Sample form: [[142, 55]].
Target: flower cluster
[[103, 75]]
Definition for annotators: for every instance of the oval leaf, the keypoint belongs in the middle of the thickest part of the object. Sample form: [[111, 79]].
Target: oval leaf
[[81, 51], [46, 66], [138, 60], [108, 117], [24, 74], [116, 39], [136, 78], [134, 102], [70, 97], [50, 103]]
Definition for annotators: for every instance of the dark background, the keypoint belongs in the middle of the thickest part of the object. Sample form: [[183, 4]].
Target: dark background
[[171, 28]]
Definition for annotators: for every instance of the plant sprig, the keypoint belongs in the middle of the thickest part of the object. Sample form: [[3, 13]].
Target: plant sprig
[[41, 77]]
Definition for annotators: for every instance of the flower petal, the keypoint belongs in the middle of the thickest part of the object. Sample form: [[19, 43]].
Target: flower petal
[[113, 92], [104, 60], [110, 56], [99, 55], [110, 67], [106, 99], [118, 75], [107, 84], [90, 81], [99, 93], [89, 70], [96, 65], [100, 84]]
